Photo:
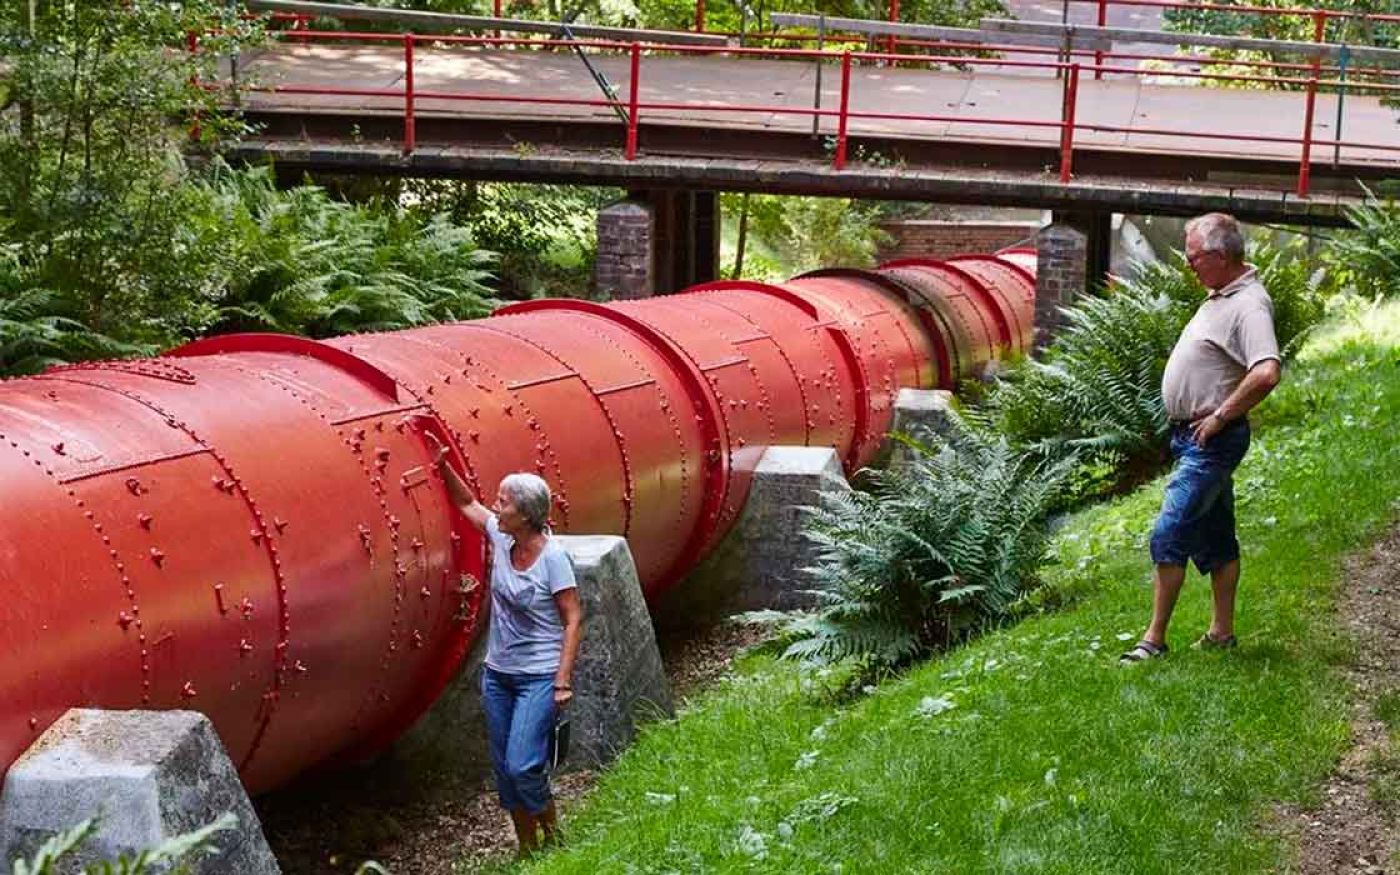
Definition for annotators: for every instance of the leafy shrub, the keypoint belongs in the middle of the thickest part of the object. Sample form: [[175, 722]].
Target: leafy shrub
[[940, 544], [1369, 257]]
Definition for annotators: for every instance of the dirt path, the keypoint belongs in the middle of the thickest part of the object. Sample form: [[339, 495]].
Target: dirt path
[[1354, 830]]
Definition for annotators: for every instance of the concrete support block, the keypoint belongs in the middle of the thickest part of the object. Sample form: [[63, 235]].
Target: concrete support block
[[916, 411], [760, 562], [624, 268], [1060, 276], [618, 681], [146, 775]]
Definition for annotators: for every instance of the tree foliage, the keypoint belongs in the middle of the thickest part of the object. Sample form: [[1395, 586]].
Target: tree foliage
[[113, 243], [791, 235]]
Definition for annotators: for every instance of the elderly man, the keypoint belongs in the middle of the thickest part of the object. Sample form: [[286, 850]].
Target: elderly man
[[1225, 362]]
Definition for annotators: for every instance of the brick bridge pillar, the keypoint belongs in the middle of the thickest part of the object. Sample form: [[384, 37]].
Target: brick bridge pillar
[[657, 241], [1072, 256]]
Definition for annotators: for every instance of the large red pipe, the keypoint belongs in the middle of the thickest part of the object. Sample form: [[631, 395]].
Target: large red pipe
[[249, 526]]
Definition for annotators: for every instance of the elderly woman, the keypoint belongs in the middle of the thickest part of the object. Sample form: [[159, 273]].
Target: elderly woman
[[531, 646]]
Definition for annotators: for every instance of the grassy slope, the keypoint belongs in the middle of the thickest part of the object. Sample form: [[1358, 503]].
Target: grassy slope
[[1051, 758]]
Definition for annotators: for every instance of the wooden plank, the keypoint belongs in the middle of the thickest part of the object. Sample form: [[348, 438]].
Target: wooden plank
[[926, 31], [1127, 34], [440, 21]]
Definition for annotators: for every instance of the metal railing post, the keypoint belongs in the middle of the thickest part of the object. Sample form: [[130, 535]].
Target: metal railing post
[[1310, 107], [891, 45], [843, 117], [1067, 124], [410, 133], [1098, 53], [1343, 57], [632, 102], [821, 62]]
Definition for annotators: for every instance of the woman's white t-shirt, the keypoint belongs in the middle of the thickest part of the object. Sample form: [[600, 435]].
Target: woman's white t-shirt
[[526, 634]]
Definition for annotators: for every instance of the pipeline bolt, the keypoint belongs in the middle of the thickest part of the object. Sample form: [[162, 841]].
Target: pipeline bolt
[[134, 486], [246, 606], [157, 557], [125, 620], [279, 524], [256, 535], [425, 592], [58, 448], [144, 519], [188, 691], [245, 646]]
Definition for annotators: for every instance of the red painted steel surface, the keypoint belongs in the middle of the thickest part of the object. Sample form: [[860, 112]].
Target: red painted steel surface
[[250, 526]]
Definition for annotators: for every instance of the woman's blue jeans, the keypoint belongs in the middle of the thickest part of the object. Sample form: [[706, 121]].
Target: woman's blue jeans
[[519, 720]]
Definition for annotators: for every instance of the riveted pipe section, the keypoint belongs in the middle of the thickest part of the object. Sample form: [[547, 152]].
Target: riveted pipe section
[[251, 527]]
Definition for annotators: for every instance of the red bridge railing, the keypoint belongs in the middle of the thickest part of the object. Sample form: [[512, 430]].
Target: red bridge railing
[[1067, 124]]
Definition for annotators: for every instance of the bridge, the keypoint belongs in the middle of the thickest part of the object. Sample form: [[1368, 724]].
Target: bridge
[[1095, 134]]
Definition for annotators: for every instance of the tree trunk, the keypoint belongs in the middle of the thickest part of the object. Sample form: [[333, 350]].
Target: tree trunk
[[743, 238]]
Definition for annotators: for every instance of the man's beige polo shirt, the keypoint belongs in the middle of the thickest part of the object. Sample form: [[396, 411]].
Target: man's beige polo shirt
[[1232, 331]]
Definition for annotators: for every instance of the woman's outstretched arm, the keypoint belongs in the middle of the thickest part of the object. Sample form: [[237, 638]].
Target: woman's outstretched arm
[[457, 489]]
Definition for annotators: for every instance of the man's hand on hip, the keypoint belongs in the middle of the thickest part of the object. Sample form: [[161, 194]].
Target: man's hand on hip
[[1205, 428]]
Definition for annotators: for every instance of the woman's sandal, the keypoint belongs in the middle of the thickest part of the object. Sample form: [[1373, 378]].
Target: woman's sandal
[[1142, 652]]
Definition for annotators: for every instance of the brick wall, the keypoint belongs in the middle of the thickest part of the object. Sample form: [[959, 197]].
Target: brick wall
[[1061, 264], [624, 268], [934, 238]]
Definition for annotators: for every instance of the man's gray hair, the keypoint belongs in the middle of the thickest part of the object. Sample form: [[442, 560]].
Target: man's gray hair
[[1219, 232], [530, 495]]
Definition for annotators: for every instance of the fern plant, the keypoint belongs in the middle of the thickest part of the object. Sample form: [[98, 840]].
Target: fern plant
[[1369, 256], [937, 546], [36, 330], [302, 262], [1097, 391]]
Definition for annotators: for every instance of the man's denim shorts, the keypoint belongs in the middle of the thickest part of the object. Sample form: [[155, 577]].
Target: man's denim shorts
[[1197, 521]]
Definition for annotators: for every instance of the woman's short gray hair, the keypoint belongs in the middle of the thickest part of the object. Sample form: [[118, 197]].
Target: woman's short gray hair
[[1219, 232], [530, 495]]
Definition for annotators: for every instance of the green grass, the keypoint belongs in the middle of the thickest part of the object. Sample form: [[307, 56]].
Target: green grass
[[1030, 750]]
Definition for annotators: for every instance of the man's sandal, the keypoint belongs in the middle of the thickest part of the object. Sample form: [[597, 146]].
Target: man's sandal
[[1142, 652], [1210, 642]]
